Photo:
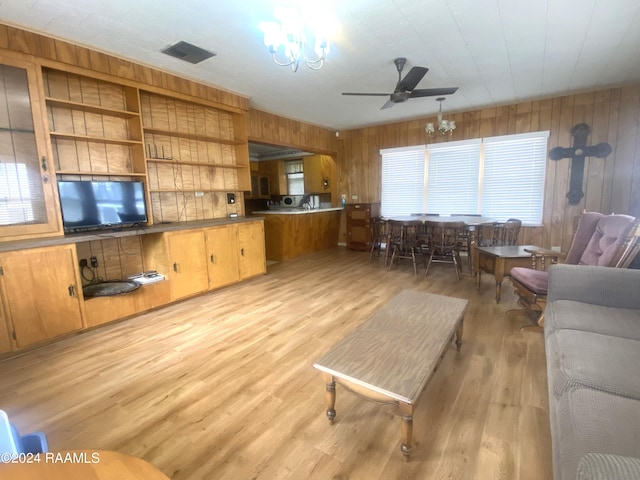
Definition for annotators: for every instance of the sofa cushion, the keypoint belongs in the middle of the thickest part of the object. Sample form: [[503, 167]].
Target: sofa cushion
[[591, 421], [535, 280], [589, 360], [618, 322]]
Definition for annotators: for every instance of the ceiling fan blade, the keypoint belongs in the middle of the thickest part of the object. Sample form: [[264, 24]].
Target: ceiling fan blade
[[367, 94], [432, 92], [412, 79], [389, 104]]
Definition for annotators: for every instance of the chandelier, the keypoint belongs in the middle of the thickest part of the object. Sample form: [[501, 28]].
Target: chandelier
[[444, 127], [289, 39]]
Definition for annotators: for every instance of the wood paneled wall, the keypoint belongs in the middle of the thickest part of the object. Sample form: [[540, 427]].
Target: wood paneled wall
[[269, 128], [59, 51], [610, 185]]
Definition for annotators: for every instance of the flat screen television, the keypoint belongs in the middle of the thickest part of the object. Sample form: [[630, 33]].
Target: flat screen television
[[101, 204]]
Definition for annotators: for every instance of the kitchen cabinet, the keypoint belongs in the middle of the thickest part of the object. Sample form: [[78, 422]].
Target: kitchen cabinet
[[31, 210], [42, 293], [359, 217]]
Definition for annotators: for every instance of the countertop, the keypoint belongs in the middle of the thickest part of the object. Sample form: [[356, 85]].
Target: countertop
[[295, 211]]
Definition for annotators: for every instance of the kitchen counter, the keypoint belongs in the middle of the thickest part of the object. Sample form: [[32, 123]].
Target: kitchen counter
[[294, 211], [292, 232]]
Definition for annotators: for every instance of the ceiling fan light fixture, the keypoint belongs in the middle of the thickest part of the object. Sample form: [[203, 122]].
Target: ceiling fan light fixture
[[444, 127]]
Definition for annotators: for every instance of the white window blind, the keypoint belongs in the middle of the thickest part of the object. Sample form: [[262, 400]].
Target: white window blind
[[513, 176], [402, 180], [452, 177]]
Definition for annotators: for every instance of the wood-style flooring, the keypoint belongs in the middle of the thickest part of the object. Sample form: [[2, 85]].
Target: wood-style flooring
[[221, 386]]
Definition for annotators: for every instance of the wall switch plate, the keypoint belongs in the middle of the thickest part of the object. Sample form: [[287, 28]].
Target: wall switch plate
[[199, 194]]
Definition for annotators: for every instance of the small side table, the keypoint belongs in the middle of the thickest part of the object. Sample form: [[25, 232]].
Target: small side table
[[500, 260]]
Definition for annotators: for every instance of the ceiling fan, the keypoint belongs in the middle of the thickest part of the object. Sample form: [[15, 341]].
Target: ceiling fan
[[405, 88]]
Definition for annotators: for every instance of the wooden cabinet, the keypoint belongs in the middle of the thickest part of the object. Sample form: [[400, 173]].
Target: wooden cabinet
[[206, 258], [187, 263], [29, 203], [235, 252], [251, 249], [41, 293], [222, 255], [5, 342], [359, 217]]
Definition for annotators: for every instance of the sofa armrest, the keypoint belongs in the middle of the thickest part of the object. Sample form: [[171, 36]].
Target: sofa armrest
[[606, 286], [597, 466]]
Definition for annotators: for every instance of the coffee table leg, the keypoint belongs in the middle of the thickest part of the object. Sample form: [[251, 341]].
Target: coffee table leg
[[330, 396], [459, 329], [407, 428]]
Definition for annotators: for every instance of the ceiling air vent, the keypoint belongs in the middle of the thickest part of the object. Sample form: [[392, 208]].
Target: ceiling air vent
[[187, 52]]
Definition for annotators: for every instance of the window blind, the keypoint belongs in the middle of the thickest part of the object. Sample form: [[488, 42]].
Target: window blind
[[513, 176], [402, 180], [452, 177]]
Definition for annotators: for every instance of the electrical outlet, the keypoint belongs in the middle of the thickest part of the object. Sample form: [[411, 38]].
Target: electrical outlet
[[94, 261]]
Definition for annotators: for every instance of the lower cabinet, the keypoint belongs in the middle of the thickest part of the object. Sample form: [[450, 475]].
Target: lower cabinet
[[187, 271], [251, 249], [41, 292], [41, 288], [235, 252], [222, 255]]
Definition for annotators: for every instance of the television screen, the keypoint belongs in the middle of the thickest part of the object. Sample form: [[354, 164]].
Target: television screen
[[90, 204]]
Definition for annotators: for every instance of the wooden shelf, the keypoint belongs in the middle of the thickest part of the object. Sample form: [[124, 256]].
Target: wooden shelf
[[54, 102], [194, 190], [101, 174], [118, 141], [195, 164], [193, 136]]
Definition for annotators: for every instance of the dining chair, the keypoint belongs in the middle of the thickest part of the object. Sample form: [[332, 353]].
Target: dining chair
[[403, 241], [445, 244], [599, 240], [378, 237], [502, 233], [12, 442]]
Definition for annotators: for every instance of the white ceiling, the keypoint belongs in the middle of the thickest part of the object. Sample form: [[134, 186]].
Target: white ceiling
[[496, 51]]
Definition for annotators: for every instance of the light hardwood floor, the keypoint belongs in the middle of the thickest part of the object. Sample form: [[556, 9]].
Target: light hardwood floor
[[221, 386]]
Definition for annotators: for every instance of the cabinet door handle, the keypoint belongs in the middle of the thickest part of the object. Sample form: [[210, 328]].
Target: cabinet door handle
[[72, 291], [211, 258], [242, 252], [175, 267]]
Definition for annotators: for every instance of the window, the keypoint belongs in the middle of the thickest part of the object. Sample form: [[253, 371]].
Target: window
[[453, 173], [295, 176], [402, 181], [513, 176], [499, 177]]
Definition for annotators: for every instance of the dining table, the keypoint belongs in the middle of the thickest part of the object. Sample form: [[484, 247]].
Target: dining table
[[471, 222]]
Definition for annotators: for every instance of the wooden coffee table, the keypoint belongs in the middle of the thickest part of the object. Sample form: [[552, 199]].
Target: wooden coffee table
[[500, 260], [392, 355]]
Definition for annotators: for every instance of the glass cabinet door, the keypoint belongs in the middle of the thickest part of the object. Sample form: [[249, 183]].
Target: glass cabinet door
[[27, 190]]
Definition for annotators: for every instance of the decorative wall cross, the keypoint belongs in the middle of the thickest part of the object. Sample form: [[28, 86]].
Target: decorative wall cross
[[577, 153]]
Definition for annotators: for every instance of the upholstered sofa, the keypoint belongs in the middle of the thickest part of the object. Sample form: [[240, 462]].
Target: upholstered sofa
[[592, 340]]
